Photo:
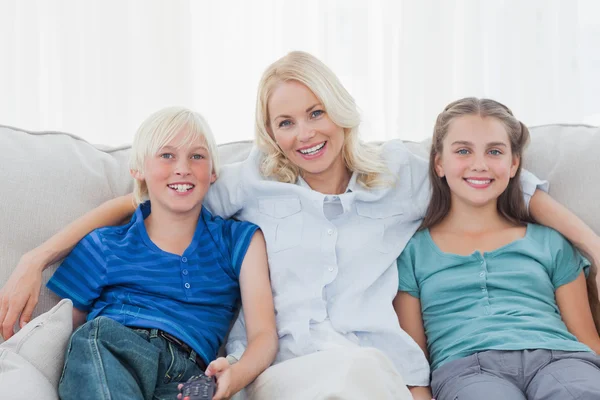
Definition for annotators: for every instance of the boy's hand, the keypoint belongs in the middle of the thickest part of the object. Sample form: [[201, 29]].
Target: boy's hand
[[222, 371], [20, 295]]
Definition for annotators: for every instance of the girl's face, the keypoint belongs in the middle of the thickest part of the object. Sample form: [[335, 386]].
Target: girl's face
[[476, 160], [303, 130]]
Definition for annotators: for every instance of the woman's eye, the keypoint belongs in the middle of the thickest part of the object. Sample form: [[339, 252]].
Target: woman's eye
[[284, 123], [317, 113], [462, 151]]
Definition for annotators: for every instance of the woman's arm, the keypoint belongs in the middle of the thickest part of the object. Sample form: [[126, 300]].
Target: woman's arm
[[547, 211], [408, 309], [259, 312], [20, 294], [572, 300]]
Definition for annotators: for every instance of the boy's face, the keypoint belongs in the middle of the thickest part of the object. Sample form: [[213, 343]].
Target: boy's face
[[178, 176]]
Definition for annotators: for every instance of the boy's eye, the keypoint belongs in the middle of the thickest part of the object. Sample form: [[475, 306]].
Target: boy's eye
[[167, 155], [197, 157], [317, 113], [495, 152], [284, 123], [462, 151]]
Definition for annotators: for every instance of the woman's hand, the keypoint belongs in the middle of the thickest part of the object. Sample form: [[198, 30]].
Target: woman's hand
[[20, 294]]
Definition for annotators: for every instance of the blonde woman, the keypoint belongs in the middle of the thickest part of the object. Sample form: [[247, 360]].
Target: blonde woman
[[336, 213]]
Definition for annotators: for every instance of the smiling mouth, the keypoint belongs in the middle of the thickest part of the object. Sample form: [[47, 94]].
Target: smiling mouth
[[181, 188], [312, 150]]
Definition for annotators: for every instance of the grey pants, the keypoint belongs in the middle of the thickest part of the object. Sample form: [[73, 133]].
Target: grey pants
[[519, 375]]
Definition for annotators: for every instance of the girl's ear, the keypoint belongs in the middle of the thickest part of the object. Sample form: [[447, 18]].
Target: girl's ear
[[439, 170], [137, 175], [515, 166]]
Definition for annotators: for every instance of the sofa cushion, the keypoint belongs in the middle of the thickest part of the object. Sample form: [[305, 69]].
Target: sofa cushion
[[20, 380], [40, 345]]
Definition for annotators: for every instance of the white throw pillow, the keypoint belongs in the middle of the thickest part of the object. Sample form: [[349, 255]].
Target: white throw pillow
[[41, 344], [20, 380]]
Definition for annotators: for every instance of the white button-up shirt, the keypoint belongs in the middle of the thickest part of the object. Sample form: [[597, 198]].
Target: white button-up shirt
[[332, 258]]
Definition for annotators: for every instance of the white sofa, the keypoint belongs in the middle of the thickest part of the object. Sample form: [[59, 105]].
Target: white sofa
[[47, 179]]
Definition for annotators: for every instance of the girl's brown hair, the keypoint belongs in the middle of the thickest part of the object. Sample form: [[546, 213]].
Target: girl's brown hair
[[511, 204]]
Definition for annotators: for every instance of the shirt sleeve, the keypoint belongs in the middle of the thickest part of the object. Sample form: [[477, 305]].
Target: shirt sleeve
[[82, 275], [237, 236], [530, 183], [407, 280], [567, 260]]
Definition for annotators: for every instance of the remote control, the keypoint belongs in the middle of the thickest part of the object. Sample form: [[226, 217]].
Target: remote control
[[199, 387]]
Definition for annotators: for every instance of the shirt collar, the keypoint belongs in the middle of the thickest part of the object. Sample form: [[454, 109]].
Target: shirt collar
[[349, 189]]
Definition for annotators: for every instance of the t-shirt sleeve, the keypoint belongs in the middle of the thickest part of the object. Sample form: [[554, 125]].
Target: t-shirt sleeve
[[530, 183], [567, 260], [82, 275], [407, 280], [237, 236]]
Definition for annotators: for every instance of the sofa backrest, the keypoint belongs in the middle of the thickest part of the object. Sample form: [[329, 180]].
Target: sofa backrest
[[47, 179]]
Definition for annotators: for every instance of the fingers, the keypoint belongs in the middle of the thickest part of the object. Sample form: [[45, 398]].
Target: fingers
[[217, 367], [28, 311], [3, 311]]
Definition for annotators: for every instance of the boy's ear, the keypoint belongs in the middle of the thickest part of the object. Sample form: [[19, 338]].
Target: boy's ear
[[213, 177], [515, 166], [137, 175], [439, 170]]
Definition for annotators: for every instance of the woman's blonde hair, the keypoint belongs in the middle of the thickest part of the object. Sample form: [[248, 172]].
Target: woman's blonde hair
[[359, 157], [158, 130]]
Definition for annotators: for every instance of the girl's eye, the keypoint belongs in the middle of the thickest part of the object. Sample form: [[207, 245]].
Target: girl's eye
[[197, 157], [317, 113], [167, 156], [462, 151], [284, 123], [495, 152]]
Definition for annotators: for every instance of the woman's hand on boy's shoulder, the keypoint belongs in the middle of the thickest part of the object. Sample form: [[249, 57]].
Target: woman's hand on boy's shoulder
[[20, 294]]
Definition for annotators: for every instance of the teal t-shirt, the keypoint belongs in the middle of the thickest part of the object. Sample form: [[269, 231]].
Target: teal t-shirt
[[498, 300]]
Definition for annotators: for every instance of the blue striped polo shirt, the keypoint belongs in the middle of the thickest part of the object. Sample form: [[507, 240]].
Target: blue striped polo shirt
[[118, 272], [497, 300]]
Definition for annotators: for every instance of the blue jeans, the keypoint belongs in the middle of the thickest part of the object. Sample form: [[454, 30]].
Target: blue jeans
[[106, 360]]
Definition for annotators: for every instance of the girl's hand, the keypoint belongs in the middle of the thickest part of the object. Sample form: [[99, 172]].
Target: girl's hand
[[20, 294]]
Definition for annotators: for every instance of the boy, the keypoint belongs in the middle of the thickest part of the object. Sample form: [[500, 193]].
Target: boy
[[159, 293]]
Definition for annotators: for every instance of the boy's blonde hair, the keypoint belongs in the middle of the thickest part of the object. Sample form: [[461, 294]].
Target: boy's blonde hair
[[306, 69], [158, 130]]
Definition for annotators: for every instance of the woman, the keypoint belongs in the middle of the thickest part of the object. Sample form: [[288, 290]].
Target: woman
[[336, 213]]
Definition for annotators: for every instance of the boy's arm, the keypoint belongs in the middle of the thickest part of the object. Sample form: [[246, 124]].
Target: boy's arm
[[20, 293], [572, 300], [547, 211], [257, 303], [408, 309]]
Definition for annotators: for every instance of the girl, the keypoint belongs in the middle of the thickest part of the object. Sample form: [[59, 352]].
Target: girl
[[336, 213], [482, 288]]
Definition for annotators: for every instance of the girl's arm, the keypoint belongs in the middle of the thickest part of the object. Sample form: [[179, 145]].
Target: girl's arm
[[408, 309], [259, 312], [572, 300], [547, 211], [20, 294]]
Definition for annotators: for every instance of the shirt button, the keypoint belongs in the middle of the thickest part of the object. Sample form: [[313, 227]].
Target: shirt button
[[185, 271], [330, 269], [183, 259], [330, 231], [482, 262], [187, 285], [482, 274], [484, 290]]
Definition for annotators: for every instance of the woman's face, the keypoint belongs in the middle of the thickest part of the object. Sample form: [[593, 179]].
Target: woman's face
[[303, 130]]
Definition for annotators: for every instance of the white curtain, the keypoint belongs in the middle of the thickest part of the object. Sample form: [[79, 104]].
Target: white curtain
[[98, 68]]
